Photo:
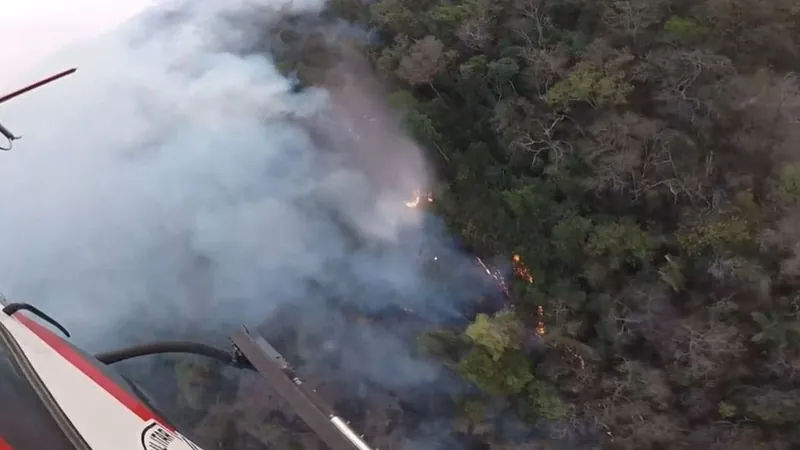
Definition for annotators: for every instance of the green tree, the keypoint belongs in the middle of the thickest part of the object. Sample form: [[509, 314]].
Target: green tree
[[426, 59], [542, 400], [598, 86], [496, 334], [717, 235], [776, 329], [569, 238], [788, 185], [620, 242], [726, 410], [395, 16], [684, 30], [444, 20], [506, 376]]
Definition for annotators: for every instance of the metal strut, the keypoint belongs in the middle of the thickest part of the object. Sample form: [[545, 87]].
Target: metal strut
[[38, 84], [255, 353], [311, 408], [11, 137]]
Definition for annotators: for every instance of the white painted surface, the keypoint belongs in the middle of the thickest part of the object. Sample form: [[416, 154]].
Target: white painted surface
[[104, 422]]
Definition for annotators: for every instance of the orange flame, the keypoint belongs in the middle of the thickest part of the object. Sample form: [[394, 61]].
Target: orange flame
[[418, 196], [520, 270], [541, 329]]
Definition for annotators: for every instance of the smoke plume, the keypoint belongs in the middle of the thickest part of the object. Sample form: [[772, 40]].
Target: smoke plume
[[174, 180]]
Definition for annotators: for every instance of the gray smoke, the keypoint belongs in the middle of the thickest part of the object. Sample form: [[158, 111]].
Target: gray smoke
[[173, 180]]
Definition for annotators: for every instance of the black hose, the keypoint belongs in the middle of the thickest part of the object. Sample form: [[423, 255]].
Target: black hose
[[11, 308], [160, 347]]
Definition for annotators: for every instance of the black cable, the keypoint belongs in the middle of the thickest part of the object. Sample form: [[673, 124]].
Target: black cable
[[233, 358], [12, 308], [10, 146]]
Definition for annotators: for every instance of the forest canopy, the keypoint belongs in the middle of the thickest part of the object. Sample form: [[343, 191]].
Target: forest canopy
[[641, 158]]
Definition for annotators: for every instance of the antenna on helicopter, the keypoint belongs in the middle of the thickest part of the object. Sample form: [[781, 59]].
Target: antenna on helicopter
[[10, 137]]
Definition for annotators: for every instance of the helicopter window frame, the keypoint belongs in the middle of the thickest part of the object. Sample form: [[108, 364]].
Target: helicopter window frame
[[51, 423]]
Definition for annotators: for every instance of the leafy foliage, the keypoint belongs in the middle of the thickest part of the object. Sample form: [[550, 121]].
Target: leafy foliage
[[507, 375], [627, 152], [497, 334], [586, 82], [640, 158]]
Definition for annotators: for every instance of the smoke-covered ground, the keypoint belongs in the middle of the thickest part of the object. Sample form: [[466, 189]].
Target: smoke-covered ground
[[177, 185]]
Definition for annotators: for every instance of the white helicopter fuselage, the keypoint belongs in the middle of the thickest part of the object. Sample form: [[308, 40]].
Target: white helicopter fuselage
[[97, 405]]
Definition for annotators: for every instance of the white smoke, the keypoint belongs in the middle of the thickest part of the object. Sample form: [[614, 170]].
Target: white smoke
[[173, 145]]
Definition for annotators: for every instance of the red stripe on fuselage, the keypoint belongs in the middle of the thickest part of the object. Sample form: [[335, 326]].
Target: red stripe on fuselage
[[90, 370], [4, 445]]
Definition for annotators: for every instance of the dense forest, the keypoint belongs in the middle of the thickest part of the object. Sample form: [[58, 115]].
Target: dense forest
[[639, 157]]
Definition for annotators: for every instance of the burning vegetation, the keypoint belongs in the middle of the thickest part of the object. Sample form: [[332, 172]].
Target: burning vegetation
[[518, 268], [624, 174], [653, 187], [418, 198]]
